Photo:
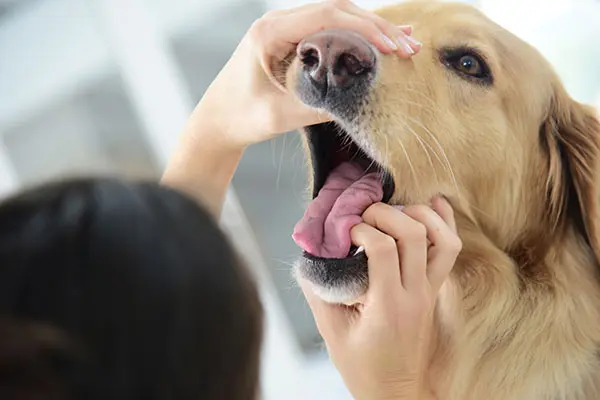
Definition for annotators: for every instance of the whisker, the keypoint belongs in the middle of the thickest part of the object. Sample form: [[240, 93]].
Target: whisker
[[386, 174], [346, 147], [423, 95], [480, 211], [410, 164], [421, 142], [418, 105], [450, 170]]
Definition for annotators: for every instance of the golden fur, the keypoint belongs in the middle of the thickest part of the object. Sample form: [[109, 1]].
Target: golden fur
[[520, 316]]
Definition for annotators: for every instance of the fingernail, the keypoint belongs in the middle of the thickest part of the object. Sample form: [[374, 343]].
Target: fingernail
[[389, 42], [414, 41], [405, 28], [399, 208], [404, 43]]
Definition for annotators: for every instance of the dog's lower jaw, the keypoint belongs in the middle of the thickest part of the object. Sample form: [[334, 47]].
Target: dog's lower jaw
[[345, 292]]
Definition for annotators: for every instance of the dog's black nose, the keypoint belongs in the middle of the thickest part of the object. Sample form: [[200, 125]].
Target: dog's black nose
[[336, 59]]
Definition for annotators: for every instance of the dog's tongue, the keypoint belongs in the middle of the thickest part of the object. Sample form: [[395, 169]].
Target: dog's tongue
[[324, 231]]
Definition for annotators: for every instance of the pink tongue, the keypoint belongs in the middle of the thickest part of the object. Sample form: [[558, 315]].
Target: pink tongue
[[324, 231]]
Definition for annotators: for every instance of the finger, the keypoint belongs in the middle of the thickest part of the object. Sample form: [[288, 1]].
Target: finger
[[445, 244], [411, 241], [332, 320], [283, 32], [399, 34], [383, 261], [441, 263], [383, 23], [336, 18], [444, 210], [436, 229], [407, 46], [407, 29]]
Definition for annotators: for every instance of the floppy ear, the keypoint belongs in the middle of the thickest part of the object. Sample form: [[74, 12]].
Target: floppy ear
[[572, 135]]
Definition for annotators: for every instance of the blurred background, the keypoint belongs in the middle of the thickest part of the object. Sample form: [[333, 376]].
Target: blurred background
[[105, 86]]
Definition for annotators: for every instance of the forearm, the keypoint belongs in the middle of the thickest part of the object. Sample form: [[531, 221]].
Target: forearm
[[203, 164]]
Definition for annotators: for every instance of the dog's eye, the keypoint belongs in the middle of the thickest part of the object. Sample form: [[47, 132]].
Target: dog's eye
[[467, 64], [470, 66]]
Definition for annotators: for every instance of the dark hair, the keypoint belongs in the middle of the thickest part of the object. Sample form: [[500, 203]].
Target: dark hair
[[112, 290]]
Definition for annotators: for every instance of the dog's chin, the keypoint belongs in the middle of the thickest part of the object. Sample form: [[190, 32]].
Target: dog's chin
[[336, 281]]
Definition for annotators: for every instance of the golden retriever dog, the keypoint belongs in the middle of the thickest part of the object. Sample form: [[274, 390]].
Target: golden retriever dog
[[478, 116]]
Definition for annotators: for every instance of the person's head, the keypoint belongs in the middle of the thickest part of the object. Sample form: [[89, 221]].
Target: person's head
[[112, 290]]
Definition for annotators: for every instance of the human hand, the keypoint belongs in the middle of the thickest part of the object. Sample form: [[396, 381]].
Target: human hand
[[247, 103], [380, 346]]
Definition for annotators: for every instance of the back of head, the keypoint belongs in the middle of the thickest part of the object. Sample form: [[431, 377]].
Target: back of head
[[122, 291]]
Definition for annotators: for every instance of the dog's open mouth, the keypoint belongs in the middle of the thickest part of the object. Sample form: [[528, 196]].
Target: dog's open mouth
[[346, 182]]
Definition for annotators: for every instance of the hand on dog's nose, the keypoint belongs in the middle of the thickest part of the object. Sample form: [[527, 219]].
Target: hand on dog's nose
[[336, 58], [336, 70], [248, 101]]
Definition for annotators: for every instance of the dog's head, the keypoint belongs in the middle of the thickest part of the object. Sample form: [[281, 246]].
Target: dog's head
[[477, 115]]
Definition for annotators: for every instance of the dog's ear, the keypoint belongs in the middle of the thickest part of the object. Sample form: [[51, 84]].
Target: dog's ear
[[571, 133]]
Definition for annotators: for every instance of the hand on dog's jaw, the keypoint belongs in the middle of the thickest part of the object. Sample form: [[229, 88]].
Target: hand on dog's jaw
[[386, 327]]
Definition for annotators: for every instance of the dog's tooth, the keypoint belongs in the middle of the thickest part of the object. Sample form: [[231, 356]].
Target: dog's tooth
[[359, 250]]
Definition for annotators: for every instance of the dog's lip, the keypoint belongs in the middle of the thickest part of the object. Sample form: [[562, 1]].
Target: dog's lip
[[359, 257], [309, 255]]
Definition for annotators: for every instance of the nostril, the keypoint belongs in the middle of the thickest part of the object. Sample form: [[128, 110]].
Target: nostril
[[310, 58], [351, 65]]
